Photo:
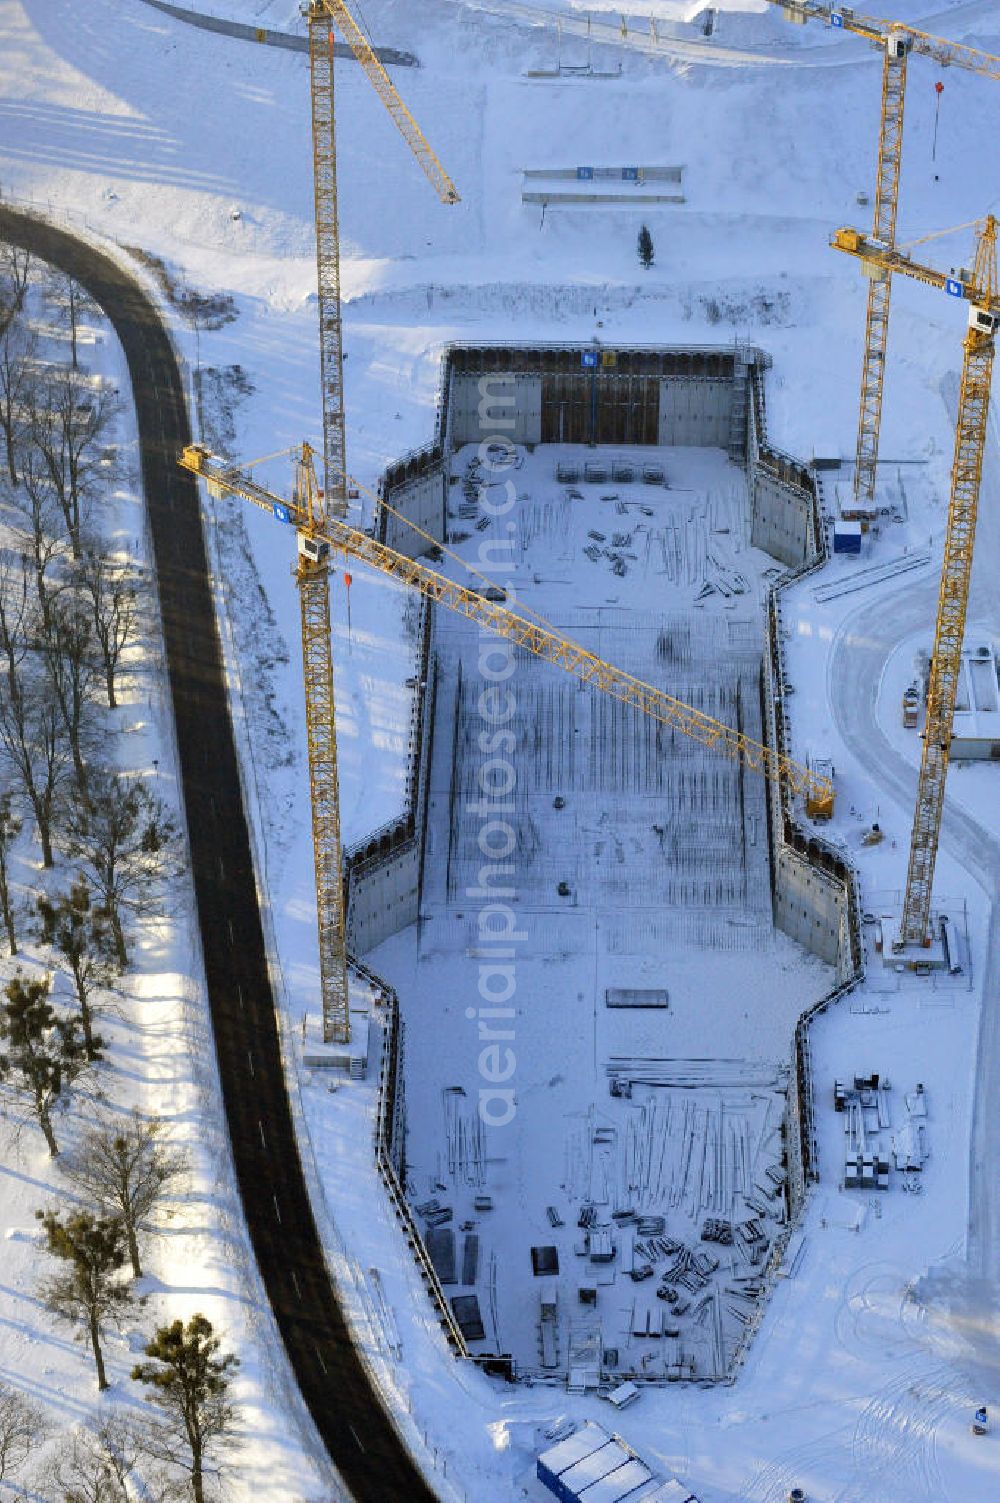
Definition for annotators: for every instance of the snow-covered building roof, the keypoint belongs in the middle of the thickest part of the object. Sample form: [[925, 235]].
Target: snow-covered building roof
[[977, 706]]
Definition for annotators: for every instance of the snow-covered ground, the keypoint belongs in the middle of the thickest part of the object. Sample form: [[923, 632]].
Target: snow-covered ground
[[158, 1058], [195, 147]]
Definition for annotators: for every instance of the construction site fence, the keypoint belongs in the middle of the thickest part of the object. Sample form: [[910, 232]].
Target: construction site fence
[[824, 858]]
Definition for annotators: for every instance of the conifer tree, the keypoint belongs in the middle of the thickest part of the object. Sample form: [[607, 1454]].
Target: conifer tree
[[89, 1291], [189, 1383], [42, 1052], [645, 248], [81, 937]]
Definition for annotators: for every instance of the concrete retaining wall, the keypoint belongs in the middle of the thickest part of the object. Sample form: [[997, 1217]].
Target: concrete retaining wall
[[506, 404], [382, 874], [415, 487], [815, 891], [695, 412], [783, 500], [632, 395]]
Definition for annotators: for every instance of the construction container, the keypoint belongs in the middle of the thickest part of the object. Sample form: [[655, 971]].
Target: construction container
[[577, 1479], [619, 1484], [671, 1491], [847, 537], [553, 1464]]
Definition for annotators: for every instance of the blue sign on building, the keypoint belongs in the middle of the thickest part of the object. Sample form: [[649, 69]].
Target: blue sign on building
[[953, 287], [281, 512], [585, 174], [836, 19], [588, 359]]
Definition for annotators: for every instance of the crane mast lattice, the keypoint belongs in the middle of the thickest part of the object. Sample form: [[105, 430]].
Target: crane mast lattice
[[981, 293], [896, 41], [311, 572]]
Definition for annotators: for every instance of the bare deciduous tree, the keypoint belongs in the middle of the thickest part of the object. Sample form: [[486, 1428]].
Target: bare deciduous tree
[[89, 1291], [68, 420], [66, 642], [44, 532], [72, 303], [42, 1052], [15, 275], [33, 740], [23, 1425], [110, 587], [125, 840], [18, 351], [126, 1168], [16, 618], [80, 935], [103, 1466], [10, 829]]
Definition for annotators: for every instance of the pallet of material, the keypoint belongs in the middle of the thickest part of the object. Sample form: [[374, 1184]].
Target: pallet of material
[[470, 1258], [465, 1308], [441, 1251]]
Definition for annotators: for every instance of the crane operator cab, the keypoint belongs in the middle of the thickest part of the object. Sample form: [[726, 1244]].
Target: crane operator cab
[[313, 550], [983, 321]]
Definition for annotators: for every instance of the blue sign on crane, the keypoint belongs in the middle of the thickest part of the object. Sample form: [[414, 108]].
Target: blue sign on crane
[[836, 19], [953, 287], [588, 359], [281, 512]]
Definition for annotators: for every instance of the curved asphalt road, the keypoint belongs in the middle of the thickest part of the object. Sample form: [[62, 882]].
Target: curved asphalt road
[[359, 1435]]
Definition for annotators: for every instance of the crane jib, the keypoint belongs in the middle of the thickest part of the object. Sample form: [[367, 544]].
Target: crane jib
[[533, 635]]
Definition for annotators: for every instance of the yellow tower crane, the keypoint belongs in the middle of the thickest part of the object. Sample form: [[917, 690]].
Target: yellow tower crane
[[896, 41], [320, 534], [980, 291], [311, 572]]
